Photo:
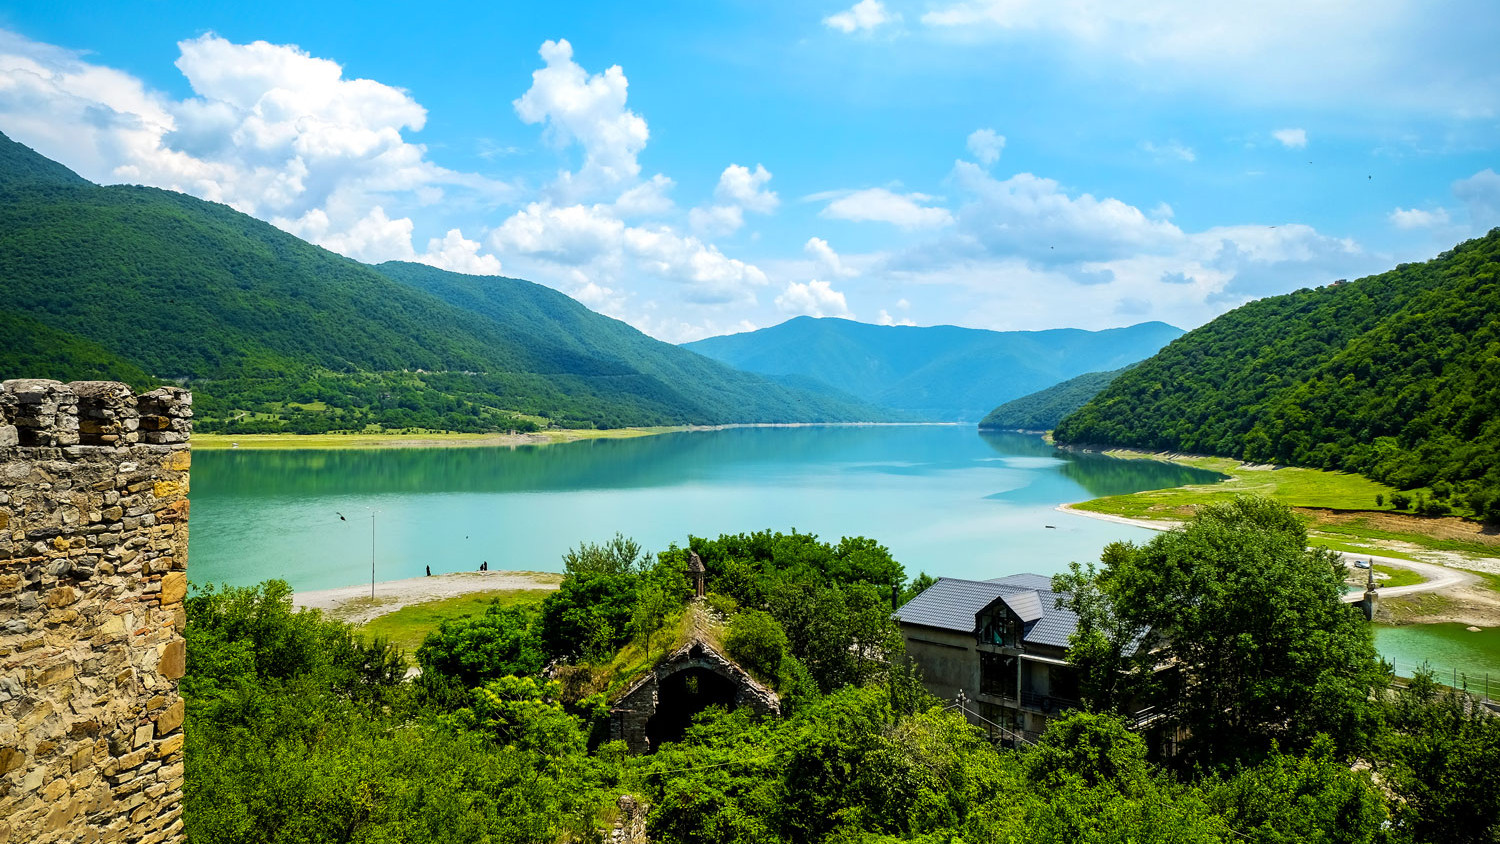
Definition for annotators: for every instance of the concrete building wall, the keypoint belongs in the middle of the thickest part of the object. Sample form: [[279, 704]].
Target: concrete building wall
[[93, 572], [949, 660]]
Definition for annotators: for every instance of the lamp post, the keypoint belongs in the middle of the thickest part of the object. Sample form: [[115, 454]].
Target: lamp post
[[373, 511]]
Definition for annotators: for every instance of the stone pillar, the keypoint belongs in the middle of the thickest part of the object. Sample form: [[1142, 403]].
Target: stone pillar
[[93, 572]]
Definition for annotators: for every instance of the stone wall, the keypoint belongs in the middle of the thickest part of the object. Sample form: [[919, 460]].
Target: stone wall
[[637, 704], [93, 560]]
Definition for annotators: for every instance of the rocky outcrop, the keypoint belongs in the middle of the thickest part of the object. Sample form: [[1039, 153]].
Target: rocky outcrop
[[93, 572]]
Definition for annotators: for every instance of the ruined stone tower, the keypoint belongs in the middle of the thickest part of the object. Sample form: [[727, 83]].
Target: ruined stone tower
[[93, 560]]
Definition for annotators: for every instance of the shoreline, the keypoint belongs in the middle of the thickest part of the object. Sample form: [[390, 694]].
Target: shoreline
[[558, 436], [352, 603], [1447, 580]]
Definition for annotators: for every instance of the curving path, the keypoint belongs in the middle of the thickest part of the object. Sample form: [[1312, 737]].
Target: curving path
[[1439, 578]]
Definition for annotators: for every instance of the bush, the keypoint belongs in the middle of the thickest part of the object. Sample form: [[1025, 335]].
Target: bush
[[757, 642]]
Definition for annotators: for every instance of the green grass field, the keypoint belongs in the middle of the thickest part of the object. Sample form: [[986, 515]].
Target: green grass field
[[1312, 489], [408, 626]]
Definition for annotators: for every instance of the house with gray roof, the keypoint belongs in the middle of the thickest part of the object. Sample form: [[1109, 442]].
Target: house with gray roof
[[1002, 644]]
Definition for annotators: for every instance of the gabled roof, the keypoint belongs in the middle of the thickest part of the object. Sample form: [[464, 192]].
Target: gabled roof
[[952, 604]]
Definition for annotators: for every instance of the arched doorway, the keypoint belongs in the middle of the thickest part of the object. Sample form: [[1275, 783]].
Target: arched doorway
[[682, 695]]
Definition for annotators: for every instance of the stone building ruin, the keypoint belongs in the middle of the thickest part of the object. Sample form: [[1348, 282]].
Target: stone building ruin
[[93, 572], [659, 706]]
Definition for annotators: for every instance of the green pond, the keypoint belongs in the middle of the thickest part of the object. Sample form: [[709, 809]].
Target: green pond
[[1455, 654], [945, 499]]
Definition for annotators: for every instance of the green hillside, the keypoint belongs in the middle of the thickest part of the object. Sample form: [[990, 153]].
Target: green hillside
[[1395, 376], [1042, 410], [273, 333], [940, 373]]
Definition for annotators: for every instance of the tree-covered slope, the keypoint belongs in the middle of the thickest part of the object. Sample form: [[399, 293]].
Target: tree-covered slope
[[578, 340], [939, 372], [276, 334], [1395, 376], [1042, 410]]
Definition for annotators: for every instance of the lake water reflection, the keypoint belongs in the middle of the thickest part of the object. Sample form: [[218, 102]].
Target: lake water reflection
[[945, 499]]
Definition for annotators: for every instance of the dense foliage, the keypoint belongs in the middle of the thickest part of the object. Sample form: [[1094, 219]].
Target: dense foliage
[[299, 731], [1395, 376], [941, 372], [1042, 410], [1264, 652], [274, 334]]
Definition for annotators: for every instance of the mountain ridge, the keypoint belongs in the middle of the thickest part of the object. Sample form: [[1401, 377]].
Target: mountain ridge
[[274, 333], [936, 373]]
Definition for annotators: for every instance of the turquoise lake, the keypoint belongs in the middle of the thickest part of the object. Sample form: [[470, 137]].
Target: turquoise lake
[[945, 499]]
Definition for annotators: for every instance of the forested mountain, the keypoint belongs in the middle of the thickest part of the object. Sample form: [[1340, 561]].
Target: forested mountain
[[1395, 376], [938, 373], [273, 333], [1042, 410]]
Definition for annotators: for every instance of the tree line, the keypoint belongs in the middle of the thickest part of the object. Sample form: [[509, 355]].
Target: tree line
[[1285, 729]]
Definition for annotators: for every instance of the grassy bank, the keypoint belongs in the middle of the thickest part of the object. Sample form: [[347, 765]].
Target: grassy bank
[[408, 626], [413, 440], [1340, 507]]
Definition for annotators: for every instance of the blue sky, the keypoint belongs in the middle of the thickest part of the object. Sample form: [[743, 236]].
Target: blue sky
[[700, 168]]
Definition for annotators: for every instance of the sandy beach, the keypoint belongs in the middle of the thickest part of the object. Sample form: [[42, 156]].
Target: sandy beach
[[353, 604]]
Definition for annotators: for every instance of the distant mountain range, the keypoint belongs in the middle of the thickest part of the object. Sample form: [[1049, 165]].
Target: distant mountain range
[[1395, 376], [938, 373], [273, 333], [1042, 410]]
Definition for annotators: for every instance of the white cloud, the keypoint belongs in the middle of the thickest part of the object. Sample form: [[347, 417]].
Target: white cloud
[[1291, 138], [647, 199], [986, 146], [740, 189], [1029, 215], [746, 188], [827, 261], [714, 220], [271, 131], [1481, 193], [587, 244], [1170, 149], [588, 110], [1416, 218], [864, 16], [456, 253], [815, 298], [1397, 53], [884, 206], [885, 318]]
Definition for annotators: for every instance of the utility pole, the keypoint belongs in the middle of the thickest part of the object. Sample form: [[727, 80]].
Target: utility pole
[[372, 556]]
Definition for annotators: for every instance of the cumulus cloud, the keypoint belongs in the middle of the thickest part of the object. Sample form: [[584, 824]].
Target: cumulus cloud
[[1416, 218], [1173, 150], [864, 16], [827, 261], [815, 298], [589, 110], [740, 189], [885, 318], [270, 130], [454, 252], [1291, 138], [883, 206], [1481, 193], [985, 145], [588, 244]]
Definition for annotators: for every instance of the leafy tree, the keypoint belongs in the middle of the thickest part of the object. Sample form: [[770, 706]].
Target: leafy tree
[[757, 643], [1262, 647], [1440, 757], [524, 713], [620, 555], [588, 617], [1313, 798], [475, 650]]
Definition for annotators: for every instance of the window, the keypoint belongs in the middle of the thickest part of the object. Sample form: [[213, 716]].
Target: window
[[997, 675], [1064, 682], [999, 628]]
